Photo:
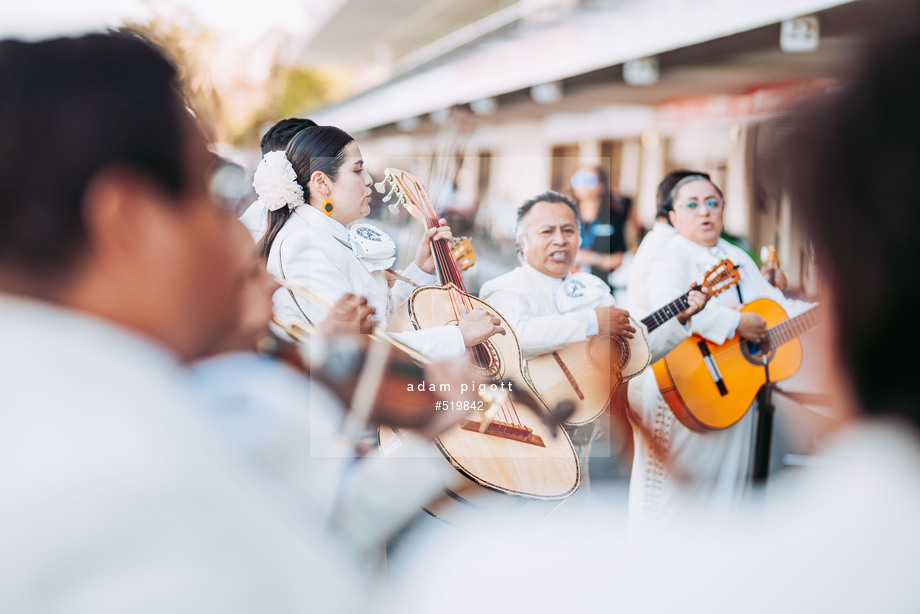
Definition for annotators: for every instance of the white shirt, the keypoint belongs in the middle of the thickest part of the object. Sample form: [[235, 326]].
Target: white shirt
[[526, 299], [683, 261], [116, 497], [313, 250], [840, 538], [255, 219], [637, 299]]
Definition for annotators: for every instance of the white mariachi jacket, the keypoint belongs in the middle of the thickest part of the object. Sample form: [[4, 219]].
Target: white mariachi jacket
[[637, 299], [530, 301], [526, 298], [314, 250]]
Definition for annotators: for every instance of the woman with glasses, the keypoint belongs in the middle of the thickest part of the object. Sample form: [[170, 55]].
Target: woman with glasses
[[676, 469], [604, 215]]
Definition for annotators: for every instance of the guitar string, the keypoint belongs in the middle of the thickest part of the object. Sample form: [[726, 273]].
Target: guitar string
[[455, 297], [447, 267], [481, 355], [662, 315], [671, 310], [446, 263], [487, 359], [779, 334], [711, 280], [456, 300]]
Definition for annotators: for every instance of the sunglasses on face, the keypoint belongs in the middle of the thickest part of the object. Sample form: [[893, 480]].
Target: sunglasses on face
[[584, 180]]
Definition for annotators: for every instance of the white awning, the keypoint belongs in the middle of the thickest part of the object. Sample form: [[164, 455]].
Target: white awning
[[591, 39]]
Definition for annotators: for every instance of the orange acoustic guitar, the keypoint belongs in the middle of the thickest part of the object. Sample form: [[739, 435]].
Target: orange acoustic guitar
[[710, 386], [463, 253], [587, 373]]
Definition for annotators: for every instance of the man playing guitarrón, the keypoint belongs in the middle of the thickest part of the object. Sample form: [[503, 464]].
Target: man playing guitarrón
[[549, 308]]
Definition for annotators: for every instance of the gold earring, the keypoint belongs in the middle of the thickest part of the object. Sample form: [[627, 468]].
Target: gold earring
[[328, 206]]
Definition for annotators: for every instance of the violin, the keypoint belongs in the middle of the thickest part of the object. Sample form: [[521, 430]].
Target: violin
[[341, 361], [345, 362]]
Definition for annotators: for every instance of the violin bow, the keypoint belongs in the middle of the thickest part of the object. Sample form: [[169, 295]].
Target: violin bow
[[378, 333]]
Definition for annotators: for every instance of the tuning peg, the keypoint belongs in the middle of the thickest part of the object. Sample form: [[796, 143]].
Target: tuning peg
[[381, 186], [394, 208]]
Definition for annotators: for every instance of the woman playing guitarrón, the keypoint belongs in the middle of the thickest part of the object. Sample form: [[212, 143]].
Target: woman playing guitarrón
[[313, 190]]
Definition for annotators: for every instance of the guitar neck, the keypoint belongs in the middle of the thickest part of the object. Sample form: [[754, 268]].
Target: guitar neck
[[660, 316], [444, 261], [717, 279], [793, 327]]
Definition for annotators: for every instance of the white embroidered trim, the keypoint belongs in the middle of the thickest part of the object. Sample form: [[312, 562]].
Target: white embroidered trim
[[656, 468]]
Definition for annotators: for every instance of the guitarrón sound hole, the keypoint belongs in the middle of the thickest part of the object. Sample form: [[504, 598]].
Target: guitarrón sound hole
[[605, 352], [489, 365]]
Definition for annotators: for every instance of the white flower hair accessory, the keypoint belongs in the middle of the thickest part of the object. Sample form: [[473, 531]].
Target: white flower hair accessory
[[276, 182]]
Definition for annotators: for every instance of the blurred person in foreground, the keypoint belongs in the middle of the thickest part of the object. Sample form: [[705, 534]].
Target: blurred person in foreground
[[116, 269], [840, 535], [276, 138], [283, 412]]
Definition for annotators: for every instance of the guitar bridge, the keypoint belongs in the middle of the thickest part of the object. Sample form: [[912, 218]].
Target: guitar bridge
[[713, 368], [498, 428], [569, 376]]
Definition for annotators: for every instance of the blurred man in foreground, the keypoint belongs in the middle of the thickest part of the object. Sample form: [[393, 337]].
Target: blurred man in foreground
[[116, 267]]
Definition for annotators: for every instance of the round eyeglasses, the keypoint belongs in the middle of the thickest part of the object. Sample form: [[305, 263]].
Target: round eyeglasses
[[711, 204]]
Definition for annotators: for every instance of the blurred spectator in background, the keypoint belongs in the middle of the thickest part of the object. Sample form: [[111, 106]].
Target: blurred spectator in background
[[604, 215]]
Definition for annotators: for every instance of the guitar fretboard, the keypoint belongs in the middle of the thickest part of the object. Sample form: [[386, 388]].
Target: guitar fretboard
[[793, 327], [446, 266], [660, 316]]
